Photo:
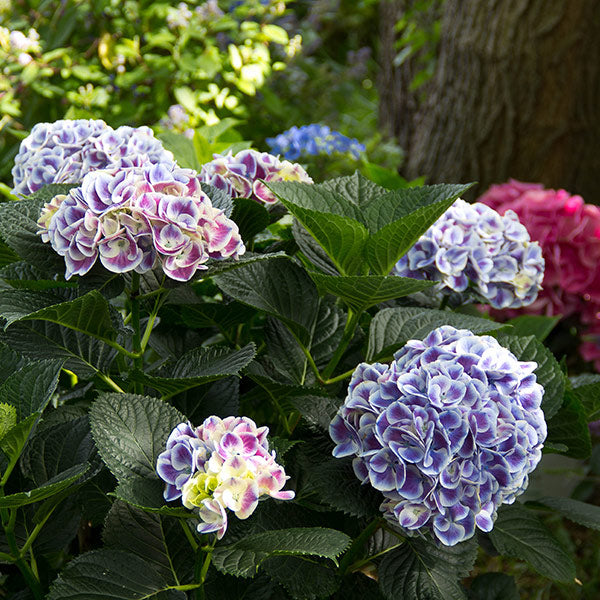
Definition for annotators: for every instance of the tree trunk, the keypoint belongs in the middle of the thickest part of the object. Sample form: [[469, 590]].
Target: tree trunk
[[515, 94]]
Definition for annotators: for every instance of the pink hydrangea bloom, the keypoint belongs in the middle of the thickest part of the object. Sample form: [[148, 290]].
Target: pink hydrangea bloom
[[568, 231]]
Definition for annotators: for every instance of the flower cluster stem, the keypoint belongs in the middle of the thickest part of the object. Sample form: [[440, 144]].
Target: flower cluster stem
[[349, 329], [138, 362]]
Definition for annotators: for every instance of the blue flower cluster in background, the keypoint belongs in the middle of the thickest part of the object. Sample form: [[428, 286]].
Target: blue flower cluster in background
[[313, 140], [447, 432]]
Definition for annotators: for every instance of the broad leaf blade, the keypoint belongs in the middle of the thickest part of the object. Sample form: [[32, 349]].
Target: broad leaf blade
[[243, 558], [130, 431], [583, 513], [519, 533], [569, 426], [361, 292], [250, 217], [586, 388], [420, 569]]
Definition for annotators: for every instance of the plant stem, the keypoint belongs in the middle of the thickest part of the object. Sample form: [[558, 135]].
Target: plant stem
[[358, 543], [160, 298], [138, 361], [339, 377], [115, 386], [349, 329], [201, 568]]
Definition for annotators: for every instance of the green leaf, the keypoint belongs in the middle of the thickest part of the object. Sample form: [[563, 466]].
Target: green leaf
[[337, 485], [355, 188], [197, 367], [312, 250], [130, 431], [222, 316], [30, 388], [283, 354], [22, 275], [536, 325], [494, 586], [10, 360], [7, 256], [147, 495], [585, 514], [50, 488], [586, 388], [18, 229], [110, 573], [316, 410], [55, 449], [39, 339], [275, 287], [391, 328], [548, 372], [88, 314], [359, 293], [399, 203], [14, 441], [153, 538], [250, 216], [182, 148], [8, 418], [420, 569], [216, 267], [243, 558], [388, 178], [520, 534], [569, 426], [302, 579], [218, 198], [388, 244]]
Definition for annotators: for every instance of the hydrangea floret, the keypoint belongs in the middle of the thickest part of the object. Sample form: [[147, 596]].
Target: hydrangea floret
[[65, 151], [471, 248], [222, 464], [240, 175], [136, 218], [314, 140], [447, 432]]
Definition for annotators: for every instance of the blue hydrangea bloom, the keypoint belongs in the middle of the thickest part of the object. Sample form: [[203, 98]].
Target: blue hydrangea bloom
[[473, 248], [447, 432], [312, 140]]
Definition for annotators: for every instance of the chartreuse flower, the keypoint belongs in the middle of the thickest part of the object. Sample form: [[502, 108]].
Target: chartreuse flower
[[473, 248], [135, 218], [447, 432], [65, 151], [224, 464]]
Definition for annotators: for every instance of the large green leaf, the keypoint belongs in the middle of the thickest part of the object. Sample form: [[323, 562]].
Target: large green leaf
[[197, 367], [569, 426], [275, 286], [52, 487], [312, 250], [539, 326], [88, 314], [388, 244], [359, 293], [243, 558], [53, 450], [130, 431], [13, 442], [182, 148], [583, 513], [110, 573], [153, 538], [548, 372], [30, 388], [399, 203], [520, 534], [219, 198], [18, 228], [586, 388], [84, 355], [10, 360], [22, 275], [215, 314], [391, 328], [215, 267], [494, 586], [147, 495], [355, 188], [420, 569], [250, 216]]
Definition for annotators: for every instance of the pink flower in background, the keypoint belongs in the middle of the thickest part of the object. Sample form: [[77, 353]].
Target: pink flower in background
[[568, 231]]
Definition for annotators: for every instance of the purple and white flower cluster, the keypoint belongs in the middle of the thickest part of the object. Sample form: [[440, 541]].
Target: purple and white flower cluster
[[134, 218], [222, 464], [473, 247], [65, 151], [239, 174], [313, 140], [447, 432]]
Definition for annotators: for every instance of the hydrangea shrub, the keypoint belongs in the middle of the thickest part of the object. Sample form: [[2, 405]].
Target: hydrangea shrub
[[132, 309]]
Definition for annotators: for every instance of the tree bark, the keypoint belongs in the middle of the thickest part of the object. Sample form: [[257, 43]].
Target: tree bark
[[515, 94]]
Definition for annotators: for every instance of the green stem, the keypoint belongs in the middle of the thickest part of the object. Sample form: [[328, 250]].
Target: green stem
[[111, 383], [201, 571], [311, 362], [189, 536], [349, 329], [138, 361], [36, 531], [160, 298], [358, 544], [339, 377]]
